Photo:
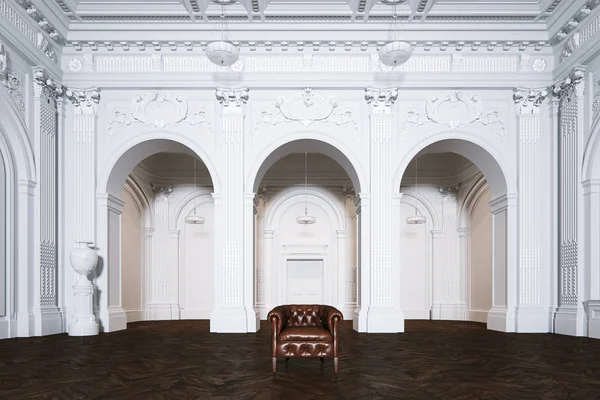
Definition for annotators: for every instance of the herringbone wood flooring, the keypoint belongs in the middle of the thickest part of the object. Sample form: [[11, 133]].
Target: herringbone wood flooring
[[182, 360]]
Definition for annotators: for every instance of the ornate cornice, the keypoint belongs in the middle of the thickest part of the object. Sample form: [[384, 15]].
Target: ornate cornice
[[527, 101], [41, 21], [232, 97], [574, 21], [380, 101]]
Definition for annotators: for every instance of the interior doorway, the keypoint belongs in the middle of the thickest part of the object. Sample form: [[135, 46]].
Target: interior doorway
[[304, 281]]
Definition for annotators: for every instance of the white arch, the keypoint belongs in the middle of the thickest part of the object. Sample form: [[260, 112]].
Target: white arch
[[591, 164], [315, 196], [20, 176], [142, 203], [313, 142], [17, 144], [115, 172], [489, 162], [474, 193]]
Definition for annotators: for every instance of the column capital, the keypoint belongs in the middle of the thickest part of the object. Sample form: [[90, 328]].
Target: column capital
[[86, 101], [380, 100], [160, 189], [572, 85], [528, 101], [42, 83], [450, 190], [232, 98]]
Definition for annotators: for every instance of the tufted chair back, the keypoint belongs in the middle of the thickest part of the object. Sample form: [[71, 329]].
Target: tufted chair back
[[304, 315]]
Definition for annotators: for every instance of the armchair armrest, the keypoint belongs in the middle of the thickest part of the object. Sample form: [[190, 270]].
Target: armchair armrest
[[277, 317], [331, 317]]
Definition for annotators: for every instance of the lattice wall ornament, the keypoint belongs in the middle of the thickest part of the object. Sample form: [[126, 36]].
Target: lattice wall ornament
[[158, 110], [306, 108], [454, 111]]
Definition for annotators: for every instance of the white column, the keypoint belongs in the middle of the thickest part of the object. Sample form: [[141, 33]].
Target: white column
[[267, 259], [363, 282], [146, 271], [504, 263], [340, 270], [351, 245], [259, 290], [173, 271], [112, 317], [397, 277], [249, 267], [463, 268], [231, 313], [25, 257], [46, 315], [385, 314], [159, 296], [80, 175], [451, 307], [570, 316], [531, 315], [437, 250]]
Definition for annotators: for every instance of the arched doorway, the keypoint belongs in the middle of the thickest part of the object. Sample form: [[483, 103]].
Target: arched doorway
[[159, 265], [501, 316], [17, 183], [306, 263]]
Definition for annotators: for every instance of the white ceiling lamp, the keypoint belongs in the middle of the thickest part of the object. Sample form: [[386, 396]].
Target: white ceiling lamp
[[194, 219], [416, 219], [394, 52], [222, 52], [306, 219]]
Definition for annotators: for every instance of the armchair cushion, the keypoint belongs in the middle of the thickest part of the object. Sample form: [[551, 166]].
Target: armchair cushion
[[304, 334]]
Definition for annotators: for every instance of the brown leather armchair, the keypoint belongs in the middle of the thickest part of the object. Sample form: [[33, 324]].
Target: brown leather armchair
[[308, 331]]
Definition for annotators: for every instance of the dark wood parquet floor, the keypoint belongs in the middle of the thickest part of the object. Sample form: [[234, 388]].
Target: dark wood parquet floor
[[182, 360]]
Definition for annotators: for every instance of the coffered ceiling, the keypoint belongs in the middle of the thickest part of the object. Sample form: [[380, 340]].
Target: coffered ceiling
[[464, 11]]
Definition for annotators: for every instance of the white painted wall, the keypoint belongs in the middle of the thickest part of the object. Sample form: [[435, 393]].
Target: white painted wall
[[480, 259], [132, 255], [3, 242]]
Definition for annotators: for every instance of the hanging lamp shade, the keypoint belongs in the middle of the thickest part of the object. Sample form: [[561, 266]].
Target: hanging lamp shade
[[194, 219], [222, 53], [306, 219], [416, 219], [395, 53]]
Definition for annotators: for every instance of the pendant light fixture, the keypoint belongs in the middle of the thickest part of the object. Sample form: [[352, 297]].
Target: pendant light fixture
[[416, 219], [394, 52], [194, 219], [222, 52], [306, 219]]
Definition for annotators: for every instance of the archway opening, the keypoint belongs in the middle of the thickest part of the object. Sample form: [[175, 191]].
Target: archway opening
[[295, 262], [164, 222], [454, 266]]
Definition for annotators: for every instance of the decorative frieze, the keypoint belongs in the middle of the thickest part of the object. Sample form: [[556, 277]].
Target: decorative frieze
[[306, 108], [158, 110], [444, 111]]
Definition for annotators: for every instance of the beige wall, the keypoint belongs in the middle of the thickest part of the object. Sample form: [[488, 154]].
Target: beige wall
[[480, 229], [131, 259]]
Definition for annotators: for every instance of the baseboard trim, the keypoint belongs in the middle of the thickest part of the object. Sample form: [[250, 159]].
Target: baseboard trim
[[47, 321], [593, 313], [478, 316], [501, 319], [134, 315], [533, 319], [570, 321], [229, 320], [117, 320], [417, 314], [385, 320]]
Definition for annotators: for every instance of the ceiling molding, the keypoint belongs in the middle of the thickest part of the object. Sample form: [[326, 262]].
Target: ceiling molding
[[44, 24]]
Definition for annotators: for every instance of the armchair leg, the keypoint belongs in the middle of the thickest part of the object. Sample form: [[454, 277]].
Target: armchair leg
[[287, 360], [274, 364], [322, 360], [335, 364]]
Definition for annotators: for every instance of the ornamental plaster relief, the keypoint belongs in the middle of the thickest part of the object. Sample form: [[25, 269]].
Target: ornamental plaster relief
[[12, 80], [452, 111], [596, 101], [302, 110], [158, 110]]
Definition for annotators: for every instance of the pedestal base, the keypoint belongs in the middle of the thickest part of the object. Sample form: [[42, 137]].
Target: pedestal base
[[229, 320], [570, 321], [500, 319], [593, 313], [534, 319], [83, 329]]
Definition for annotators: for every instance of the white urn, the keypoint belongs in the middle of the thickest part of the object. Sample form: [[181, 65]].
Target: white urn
[[83, 260]]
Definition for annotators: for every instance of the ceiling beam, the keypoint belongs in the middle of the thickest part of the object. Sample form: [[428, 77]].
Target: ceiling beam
[[189, 9], [368, 7]]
